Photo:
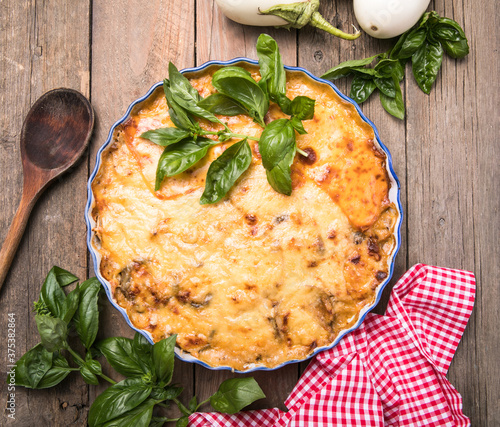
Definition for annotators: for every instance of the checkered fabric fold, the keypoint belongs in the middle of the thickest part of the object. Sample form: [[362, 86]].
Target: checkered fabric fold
[[391, 371]]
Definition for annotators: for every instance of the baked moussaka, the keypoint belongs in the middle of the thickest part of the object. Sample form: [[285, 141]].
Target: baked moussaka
[[259, 278]]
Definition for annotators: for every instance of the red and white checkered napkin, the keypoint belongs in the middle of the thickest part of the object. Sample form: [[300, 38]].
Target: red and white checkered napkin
[[391, 371]]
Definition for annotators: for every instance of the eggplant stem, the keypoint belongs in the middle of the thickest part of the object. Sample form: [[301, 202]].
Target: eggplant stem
[[318, 21]]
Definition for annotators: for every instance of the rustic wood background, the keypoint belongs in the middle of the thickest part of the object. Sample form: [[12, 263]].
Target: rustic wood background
[[445, 154]]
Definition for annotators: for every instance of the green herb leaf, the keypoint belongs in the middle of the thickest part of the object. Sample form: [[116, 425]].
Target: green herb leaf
[[394, 105], [279, 177], [456, 50], [225, 170], [88, 376], [301, 107], [186, 95], [346, 68], [221, 104], [297, 125], [60, 369], [390, 67], [239, 85], [178, 157], [361, 89], [163, 359], [51, 293], [272, 69], [193, 404], [236, 393], [87, 317], [408, 45], [168, 393], [179, 116], [117, 400], [139, 416], [70, 304], [64, 277], [53, 332], [426, 63], [386, 86], [182, 422], [275, 142], [166, 136], [122, 355], [32, 366], [158, 421]]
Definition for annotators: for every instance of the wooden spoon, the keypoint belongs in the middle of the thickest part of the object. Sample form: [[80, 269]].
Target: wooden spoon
[[54, 135]]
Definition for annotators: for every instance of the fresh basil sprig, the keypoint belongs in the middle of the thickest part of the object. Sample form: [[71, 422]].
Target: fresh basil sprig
[[148, 368], [237, 93], [424, 45]]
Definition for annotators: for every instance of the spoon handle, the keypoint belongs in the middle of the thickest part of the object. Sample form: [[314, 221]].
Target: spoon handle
[[15, 232]]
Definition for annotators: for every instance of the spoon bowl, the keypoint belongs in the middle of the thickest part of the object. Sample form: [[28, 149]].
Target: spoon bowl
[[54, 135]]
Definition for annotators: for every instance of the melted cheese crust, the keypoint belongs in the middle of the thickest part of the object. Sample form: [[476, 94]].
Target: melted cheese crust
[[259, 278]]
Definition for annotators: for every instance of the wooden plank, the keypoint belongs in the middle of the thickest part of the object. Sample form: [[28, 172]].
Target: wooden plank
[[441, 221], [219, 38], [45, 45], [132, 44], [475, 370]]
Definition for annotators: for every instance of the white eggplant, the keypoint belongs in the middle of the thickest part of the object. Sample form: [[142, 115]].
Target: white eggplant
[[280, 13], [385, 19]]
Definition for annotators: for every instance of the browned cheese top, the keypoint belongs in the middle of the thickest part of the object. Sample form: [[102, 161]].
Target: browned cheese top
[[259, 278]]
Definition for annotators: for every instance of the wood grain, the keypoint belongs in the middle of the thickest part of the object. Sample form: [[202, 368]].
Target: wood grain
[[46, 46]]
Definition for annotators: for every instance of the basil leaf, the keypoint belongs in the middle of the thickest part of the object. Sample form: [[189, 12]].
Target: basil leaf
[[426, 63], [139, 416], [63, 277], [225, 170], [53, 332], [178, 157], [301, 107], [87, 316], [88, 375], [394, 105], [158, 421], [60, 369], [297, 125], [275, 142], [456, 50], [33, 366], [221, 104], [166, 136], [179, 116], [236, 393], [271, 68], [386, 86], [118, 400], [452, 37], [94, 366], [361, 89], [122, 355], [193, 403], [163, 359], [186, 95], [412, 42], [239, 85], [142, 346], [279, 177], [182, 422], [346, 68], [390, 67], [51, 293], [70, 304]]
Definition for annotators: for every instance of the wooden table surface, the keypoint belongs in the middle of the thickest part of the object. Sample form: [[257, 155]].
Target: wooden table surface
[[445, 154]]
